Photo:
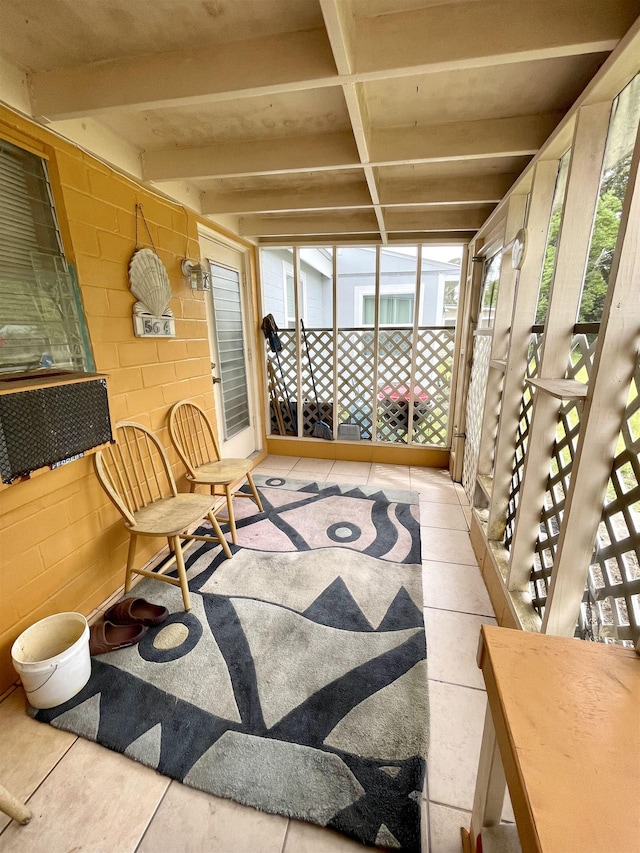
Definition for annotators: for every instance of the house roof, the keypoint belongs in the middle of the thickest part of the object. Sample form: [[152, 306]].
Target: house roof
[[318, 120]]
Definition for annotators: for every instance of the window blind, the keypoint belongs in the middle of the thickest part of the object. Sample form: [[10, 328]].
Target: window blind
[[41, 322]]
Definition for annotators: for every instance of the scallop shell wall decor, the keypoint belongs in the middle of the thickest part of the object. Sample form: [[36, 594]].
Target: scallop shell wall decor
[[149, 282]]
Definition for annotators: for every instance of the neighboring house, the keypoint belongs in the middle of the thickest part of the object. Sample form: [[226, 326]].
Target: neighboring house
[[356, 288]]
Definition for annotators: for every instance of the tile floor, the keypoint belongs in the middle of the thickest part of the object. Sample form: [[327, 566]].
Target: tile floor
[[85, 797]]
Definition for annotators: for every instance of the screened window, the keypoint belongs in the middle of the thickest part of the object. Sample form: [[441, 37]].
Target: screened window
[[41, 321], [290, 296], [394, 310], [489, 297]]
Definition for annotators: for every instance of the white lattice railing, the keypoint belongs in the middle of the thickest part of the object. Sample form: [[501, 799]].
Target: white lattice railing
[[522, 436], [475, 407], [611, 604], [580, 363], [361, 395]]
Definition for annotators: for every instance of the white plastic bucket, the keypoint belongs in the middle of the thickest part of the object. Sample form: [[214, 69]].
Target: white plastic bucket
[[52, 659]]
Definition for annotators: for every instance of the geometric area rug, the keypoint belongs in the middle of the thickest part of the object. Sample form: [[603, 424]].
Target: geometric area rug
[[297, 682]]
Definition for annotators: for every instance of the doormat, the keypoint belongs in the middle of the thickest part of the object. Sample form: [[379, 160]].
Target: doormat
[[297, 682]]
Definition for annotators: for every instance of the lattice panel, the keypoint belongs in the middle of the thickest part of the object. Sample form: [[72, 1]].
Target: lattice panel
[[356, 379], [522, 438], [434, 360], [320, 348], [580, 363], [394, 384], [286, 371], [357, 385], [475, 407], [611, 605]]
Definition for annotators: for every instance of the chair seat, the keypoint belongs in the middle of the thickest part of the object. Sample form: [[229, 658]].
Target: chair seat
[[222, 473], [171, 516]]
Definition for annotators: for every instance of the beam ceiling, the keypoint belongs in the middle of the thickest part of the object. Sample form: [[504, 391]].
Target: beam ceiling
[[323, 119]]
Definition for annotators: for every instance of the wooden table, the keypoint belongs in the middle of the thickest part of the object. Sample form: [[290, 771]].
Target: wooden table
[[563, 727]]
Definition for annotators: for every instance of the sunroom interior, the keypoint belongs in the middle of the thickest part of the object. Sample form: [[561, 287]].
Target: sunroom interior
[[438, 204]]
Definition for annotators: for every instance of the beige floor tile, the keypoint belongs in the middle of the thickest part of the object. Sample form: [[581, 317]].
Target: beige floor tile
[[282, 463], [457, 719], [343, 467], [467, 515], [450, 586], [191, 821], [271, 472], [307, 838], [452, 644], [446, 516], [444, 824], [385, 469], [430, 475], [389, 482], [29, 751], [313, 465], [94, 800], [442, 493], [349, 479], [447, 546]]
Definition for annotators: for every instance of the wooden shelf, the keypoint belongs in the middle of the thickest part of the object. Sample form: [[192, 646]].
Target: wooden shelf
[[563, 389], [498, 364]]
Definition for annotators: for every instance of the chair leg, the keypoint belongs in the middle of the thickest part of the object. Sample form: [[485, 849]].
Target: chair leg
[[230, 514], [182, 572], [254, 492], [131, 555], [218, 532]]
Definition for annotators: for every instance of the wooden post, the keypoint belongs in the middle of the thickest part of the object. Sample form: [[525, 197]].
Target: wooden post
[[452, 438], [491, 784], [473, 285], [601, 420], [522, 317], [500, 340], [583, 184]]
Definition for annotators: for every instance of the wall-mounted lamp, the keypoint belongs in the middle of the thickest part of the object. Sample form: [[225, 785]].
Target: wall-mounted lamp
[[196, 274]]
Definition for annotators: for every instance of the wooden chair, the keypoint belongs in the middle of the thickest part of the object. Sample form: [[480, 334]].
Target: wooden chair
[[136, 475], [192, 435]]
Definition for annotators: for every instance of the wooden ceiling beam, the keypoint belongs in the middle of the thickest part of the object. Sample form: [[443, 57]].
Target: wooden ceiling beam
[[320, 152], [337, 22], [344, 197], [436, 219], [462, 140], [285, 62], [469, 35], [506, 137], [463, 189], [358, 222]]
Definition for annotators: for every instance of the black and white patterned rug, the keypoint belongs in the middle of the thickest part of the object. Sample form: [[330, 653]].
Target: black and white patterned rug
[[297, 682]]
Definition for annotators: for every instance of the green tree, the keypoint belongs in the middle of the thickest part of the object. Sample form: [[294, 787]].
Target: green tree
[[603, 241]]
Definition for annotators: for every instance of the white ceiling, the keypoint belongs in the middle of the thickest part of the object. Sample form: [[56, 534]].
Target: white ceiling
[[379, 119]]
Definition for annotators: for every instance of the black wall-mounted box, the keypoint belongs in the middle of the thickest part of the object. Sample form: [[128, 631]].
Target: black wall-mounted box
[[50, 417]]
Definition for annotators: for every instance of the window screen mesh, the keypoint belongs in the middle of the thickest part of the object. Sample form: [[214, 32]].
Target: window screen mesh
[[41, 322]]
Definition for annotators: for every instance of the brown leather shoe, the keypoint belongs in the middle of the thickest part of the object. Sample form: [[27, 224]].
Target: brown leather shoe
[[106, 637], [136, 611]]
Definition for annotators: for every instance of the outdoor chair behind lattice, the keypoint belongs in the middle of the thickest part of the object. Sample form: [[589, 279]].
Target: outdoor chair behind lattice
[[193, 437], [136, 475]]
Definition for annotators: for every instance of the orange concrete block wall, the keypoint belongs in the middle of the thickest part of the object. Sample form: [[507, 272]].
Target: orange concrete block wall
[[62, 544]]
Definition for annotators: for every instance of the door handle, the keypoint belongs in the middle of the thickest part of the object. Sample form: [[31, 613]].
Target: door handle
[[215, 379]]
